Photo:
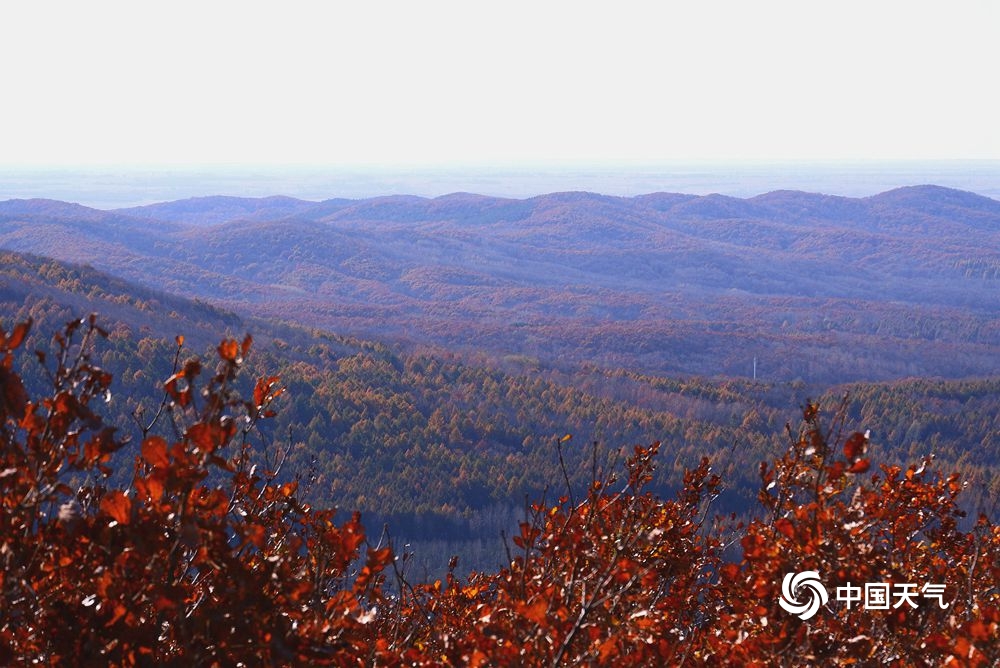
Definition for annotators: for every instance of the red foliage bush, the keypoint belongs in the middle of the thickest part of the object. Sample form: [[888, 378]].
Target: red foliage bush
[[199, 560], [205, 558]]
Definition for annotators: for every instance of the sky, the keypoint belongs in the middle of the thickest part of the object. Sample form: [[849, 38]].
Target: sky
[[503, 83], [496, 83]]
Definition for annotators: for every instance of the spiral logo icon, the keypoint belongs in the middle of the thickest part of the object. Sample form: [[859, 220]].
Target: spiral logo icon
[[806, 582]]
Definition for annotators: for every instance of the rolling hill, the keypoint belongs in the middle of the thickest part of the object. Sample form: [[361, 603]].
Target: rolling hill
[[444, 450], [825, 289]]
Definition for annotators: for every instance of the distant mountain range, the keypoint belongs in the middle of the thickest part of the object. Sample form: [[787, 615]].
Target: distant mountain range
[[827, 289]]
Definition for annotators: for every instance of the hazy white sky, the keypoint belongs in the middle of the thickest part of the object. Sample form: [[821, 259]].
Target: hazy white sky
[[431, 83]]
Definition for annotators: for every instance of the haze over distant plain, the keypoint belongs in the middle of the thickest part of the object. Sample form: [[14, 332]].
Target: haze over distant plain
[[113, 187]]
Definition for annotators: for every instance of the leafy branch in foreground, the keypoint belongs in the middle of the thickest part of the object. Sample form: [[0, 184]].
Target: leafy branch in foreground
[[206, 557], [201, 559]]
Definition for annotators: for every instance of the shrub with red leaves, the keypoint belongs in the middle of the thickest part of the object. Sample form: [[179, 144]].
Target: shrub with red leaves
[[170, 569], [205, 559]]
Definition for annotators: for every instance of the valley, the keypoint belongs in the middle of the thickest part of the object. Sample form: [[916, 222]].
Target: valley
[[443, 446]]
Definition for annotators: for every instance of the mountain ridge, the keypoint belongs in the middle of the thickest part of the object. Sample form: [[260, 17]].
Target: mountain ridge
[[215, 207], [901, 283]]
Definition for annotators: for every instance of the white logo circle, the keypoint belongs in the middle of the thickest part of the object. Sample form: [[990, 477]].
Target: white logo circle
[[809, 582]]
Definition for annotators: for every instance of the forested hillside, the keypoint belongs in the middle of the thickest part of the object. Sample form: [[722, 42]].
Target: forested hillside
[[198, 553], [823, 289], [444, 449]]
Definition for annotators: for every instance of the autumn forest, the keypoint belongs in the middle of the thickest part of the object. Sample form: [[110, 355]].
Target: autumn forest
[[565, 430]]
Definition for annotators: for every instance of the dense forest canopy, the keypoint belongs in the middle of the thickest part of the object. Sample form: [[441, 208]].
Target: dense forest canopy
[[447, 449]]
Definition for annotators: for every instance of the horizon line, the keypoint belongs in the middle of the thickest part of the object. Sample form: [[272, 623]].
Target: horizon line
[[502, 165], [474, 194], [109, 187]]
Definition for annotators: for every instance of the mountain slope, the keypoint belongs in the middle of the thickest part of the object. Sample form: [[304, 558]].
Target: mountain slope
[[443, 448], [221, 209], [823, 288]]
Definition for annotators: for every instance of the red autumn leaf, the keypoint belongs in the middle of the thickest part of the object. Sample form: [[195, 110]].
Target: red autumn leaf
[[68, 403], [118, 506], [151, 487], [298, 590], [259, 392], [178, 388], [363, 579], [262, 391], [14, 399], [164, 603], [204, 437], [228, 350], [380, 557], [17, 336], [100, 447], [119, 613], [859, 466], [785, 527], [607, 649], [855, 446], [245, 347], [209, 436], [353, 533], [478, 658], [980, 632], [212, 503], [154, 451], [962, 647], [535, 612], [256, 534]]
